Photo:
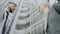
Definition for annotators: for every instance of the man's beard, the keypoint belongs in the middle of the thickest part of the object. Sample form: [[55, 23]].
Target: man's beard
[[10, 10]]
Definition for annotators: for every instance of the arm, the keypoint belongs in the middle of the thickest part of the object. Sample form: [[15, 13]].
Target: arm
[[2, 11], [56, 7]]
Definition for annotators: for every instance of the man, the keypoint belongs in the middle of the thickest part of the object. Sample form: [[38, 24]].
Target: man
[[10, 8], [53, 20]]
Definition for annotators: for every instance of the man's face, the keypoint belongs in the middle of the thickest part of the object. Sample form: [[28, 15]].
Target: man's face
[[43, 8], [12, 7]]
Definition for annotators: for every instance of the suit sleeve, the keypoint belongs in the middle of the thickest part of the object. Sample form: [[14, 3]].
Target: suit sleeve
[[2, 11], [56, 7]]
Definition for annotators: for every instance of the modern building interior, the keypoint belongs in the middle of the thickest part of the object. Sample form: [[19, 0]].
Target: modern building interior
[[27, 19]]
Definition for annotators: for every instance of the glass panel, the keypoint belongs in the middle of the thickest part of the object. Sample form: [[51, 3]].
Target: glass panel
[[22, 27], [22, 18]]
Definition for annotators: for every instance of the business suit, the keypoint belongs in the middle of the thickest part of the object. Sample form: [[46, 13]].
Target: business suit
[[53, 20]]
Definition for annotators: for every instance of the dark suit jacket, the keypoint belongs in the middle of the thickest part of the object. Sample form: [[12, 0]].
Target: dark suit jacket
[[58, 1], [53, 20]]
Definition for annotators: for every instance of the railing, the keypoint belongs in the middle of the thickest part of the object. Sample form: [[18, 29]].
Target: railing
[[38, 25]]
